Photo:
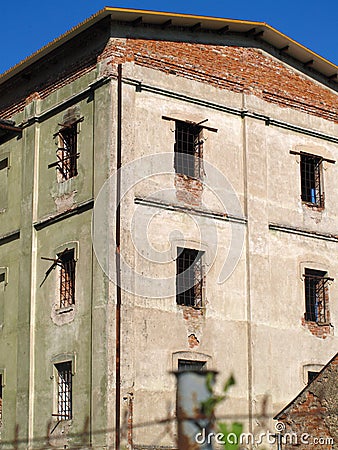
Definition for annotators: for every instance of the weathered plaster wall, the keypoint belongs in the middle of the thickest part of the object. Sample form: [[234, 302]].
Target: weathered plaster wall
[[251, 324]]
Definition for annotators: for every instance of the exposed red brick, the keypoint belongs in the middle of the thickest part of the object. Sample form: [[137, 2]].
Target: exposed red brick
[[192, 313], [321, 331], [193, 341], [234, 68], [237, 69], [307, 416], [188, 190], [32, 97]]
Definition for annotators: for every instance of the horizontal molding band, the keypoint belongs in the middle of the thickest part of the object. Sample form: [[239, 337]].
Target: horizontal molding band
[[9, 237], [139, 86], [303, 232], [70, 101], [50, 220], [186, 209]]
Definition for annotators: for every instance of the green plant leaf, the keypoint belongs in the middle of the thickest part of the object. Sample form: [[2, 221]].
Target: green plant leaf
[[230, 382], [231, 435]]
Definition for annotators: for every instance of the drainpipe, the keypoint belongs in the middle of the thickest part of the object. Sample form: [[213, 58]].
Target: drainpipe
[[248, 269], [118, 263]]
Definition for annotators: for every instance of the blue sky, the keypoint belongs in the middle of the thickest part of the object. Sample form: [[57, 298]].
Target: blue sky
[[27, 25]]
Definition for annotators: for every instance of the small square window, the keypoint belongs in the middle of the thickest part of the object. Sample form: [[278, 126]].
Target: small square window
[[185, 365], [311, 375], [189, 277], [316, 296], [67, 278], [311, 179], [64, 390], [188, 149]]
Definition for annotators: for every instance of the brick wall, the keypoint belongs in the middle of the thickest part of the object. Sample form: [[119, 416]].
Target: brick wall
[[233, 68], [314, 412]]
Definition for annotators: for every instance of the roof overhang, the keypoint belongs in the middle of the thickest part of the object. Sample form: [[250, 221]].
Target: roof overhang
[[196, 23], [8, 129]]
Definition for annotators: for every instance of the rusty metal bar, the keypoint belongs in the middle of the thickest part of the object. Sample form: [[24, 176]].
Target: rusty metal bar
[[4, 126], [67, 279], [316, 296]]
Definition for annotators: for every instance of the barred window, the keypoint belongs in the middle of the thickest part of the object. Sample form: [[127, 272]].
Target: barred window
[[188, 149], [64, 390], [311, 179], [185, 365], [67, 278], [67, 151], [316, 296], [189, 277]]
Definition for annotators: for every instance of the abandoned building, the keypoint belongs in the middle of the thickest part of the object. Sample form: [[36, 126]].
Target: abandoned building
[[218, 246], [310, 419]]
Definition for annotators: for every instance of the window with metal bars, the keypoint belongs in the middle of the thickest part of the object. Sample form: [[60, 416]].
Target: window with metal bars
[[189, 277], [316, 296], [188, 149], [311, 179], [67, 278], [66, 153], [64, 390], [185, 365]]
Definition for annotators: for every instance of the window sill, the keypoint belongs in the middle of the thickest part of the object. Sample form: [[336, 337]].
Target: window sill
[[62, 421], [316, 206], [191, 306], [67, 180], [319, 324], [65, 310]]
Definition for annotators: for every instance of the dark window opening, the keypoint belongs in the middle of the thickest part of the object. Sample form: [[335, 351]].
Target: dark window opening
[[67, 278], [185, 365], [66, 153], [189, 277], [64, 390], [188, 149], [311, 375], [2, 277], [4, 163], [311, 170], [316, 296]]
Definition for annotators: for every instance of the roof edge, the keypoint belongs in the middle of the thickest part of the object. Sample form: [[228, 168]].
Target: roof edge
[[106, 11], [283, 411]]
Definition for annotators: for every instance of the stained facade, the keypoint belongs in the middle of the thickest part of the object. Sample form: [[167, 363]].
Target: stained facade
[[225, 237]]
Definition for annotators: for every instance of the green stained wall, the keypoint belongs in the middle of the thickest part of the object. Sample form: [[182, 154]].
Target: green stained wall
[[34, 333]]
